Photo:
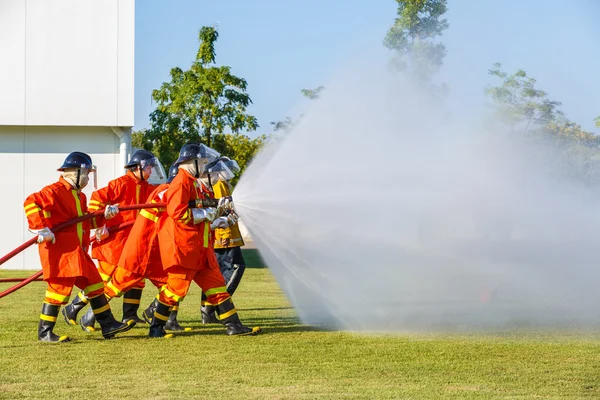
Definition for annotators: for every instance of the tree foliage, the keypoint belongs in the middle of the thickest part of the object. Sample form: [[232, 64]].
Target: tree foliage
[[239, 147], [288, 123], [412, 37], [199, 102], [597, 122]]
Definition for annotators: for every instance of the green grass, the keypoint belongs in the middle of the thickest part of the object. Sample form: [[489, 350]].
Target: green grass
[[289, 361]]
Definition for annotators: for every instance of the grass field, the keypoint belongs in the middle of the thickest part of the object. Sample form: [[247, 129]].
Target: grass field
[[289, 361]]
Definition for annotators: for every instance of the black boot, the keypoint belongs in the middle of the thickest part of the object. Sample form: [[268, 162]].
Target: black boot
[[172, 324], [148, 313], [110, 326], [47, 322], [160, 318], [70, 312], [88, 321], [207, 311], [227, 315], [131, 304]]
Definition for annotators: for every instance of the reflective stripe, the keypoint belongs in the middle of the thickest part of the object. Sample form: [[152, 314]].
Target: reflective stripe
[[131, 301], [79, 213], [226, 315], [102, 309], [47, 318], [221, 289], [105, 278], [57, 297], [32, 211], [172, 295], [187, 217], [46, 214], [137, 194], [81, 295], [114, 289], [28, 206], [175, 308], [161, 317], [91, 288], [97, 203], [206, 234], [146, 214]]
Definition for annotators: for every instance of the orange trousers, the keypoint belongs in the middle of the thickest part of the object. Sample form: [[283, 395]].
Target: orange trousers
[[178, 283], [123, 281], [59, 289], [107, 272]]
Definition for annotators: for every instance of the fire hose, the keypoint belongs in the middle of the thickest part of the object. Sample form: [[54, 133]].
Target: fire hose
[[58, 228]]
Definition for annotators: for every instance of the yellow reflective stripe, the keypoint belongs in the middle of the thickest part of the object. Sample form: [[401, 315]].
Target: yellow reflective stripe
[[114, 288], [27, 207], [57, 297], [186, 217], [222, 289], [227, 314], [175, 308], [46, 214], [172, 295], [82, 297], [97, 203], [105, 278], [47, 318], [95, 286], [79, 213], [137, 195], [150, 216], [131, 301], [32, 211], [206, 233], [161, 317], [102, 309]]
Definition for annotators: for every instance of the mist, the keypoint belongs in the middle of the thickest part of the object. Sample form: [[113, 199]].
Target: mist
[[388, 208]]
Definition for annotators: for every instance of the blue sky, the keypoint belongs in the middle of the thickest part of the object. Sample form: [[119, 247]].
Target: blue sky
[[280, 47]]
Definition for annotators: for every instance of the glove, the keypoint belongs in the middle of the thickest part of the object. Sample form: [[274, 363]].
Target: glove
[[221, 222], [225, 204], [111, 211], [45, 235], [101, 233], [232, 218], [203, 214]]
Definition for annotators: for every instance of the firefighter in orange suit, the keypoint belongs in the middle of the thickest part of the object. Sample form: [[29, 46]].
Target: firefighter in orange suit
[[185, 248], [129, 189], [141, 256], [64, 256]]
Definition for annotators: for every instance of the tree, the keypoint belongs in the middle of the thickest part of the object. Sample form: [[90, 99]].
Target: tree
[[239, 147], [412, 37], [288, 123], [597, 122], [198, 103]]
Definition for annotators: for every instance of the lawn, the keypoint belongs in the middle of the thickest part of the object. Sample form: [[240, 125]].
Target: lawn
[[288, 361]]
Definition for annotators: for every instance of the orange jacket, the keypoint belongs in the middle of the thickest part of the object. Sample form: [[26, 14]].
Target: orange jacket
[[124, 191], [141, 252], [181, 242], [51, 206], [223, 189]]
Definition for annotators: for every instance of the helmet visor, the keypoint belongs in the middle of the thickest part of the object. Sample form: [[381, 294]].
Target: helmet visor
[[155, 168], [218, 172]]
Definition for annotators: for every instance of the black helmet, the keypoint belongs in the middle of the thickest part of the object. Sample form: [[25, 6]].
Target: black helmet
[[78, 159], [192, 151], [172, 172], [138, 157]]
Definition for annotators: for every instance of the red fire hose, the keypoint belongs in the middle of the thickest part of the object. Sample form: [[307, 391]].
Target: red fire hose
[[58, 228]]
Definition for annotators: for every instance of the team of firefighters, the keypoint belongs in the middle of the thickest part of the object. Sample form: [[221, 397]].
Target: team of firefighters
[[193, 237]]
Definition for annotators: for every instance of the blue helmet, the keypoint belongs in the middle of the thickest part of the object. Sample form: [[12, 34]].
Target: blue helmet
[[192, 151], [78, 159], [138, 157], [173, 169]]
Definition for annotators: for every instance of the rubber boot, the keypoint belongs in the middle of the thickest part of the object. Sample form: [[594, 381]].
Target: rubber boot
[[227, 315], [160, 318], [172, 324], [207, 311], [148, 313], [70, 312], [88, 321], [109, 325], [46, 325], [131, 304]]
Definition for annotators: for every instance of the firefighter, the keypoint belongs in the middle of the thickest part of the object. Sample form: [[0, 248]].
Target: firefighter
[[129, 189], [64, 256], [228, 241], [141, 255], [185, 248]]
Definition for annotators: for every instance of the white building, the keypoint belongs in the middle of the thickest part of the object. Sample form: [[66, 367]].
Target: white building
[[66, 84]]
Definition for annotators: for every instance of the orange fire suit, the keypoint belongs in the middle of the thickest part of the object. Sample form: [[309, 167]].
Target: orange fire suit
[[125, 191], [141, 255], [66, 263], [185, 248]]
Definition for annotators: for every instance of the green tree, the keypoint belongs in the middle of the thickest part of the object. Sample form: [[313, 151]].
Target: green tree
[[597, 122], [198, 103], [239, 147], [412, 37]]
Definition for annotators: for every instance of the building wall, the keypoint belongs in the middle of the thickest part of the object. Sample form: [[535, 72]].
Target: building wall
[[71, 62], [28, 162]]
